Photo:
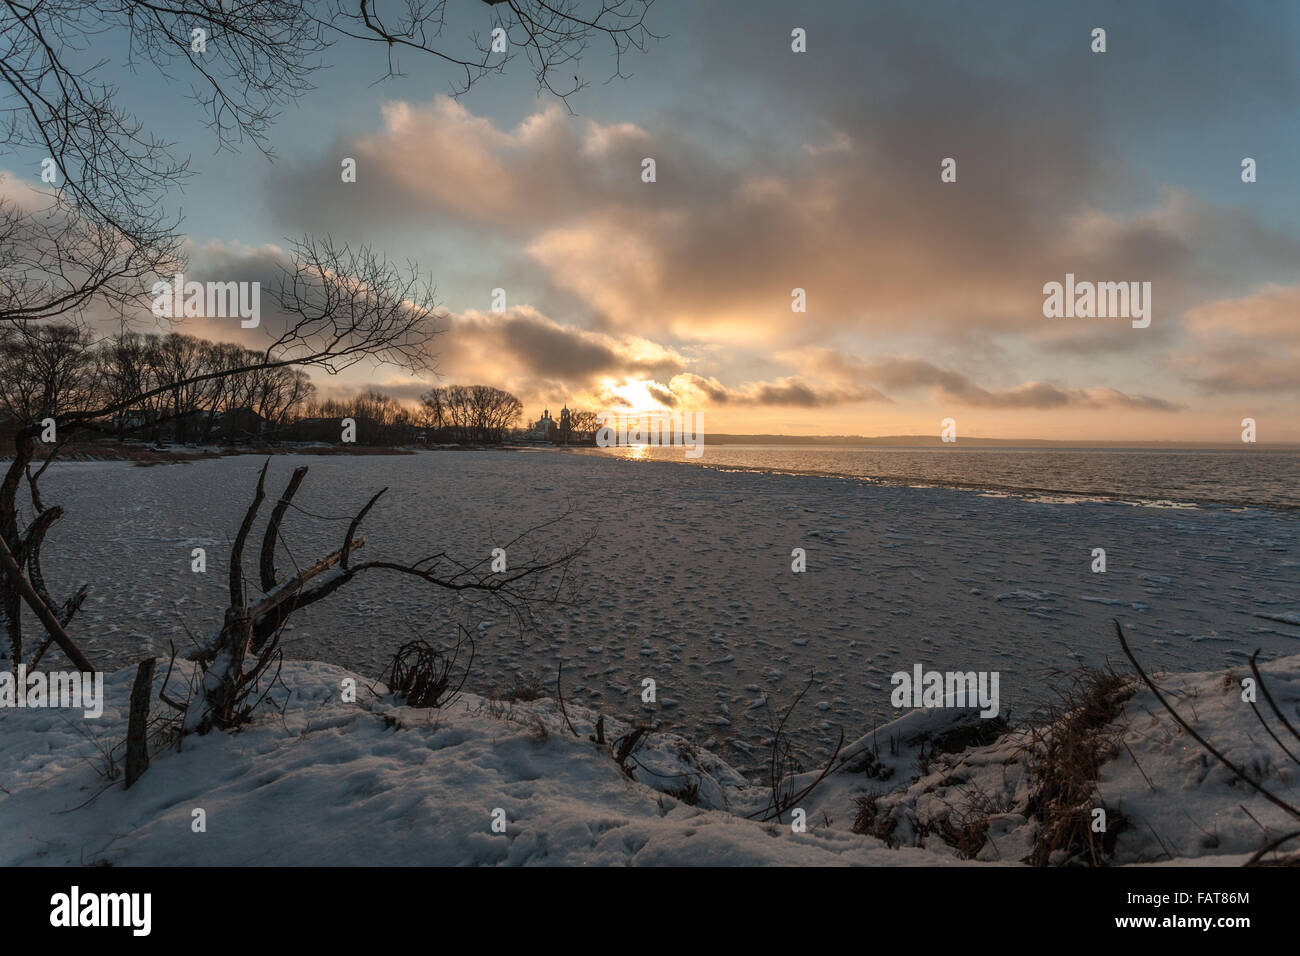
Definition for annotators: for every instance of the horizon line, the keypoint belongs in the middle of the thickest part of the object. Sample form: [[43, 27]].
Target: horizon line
[[913, 439]]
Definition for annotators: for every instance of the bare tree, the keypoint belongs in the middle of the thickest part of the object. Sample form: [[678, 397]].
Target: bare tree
[[234, 661], [552, 34], [465, 413], [244, 62], [44, 370], [435, 411], [102, 233], [180, 359], [583, 425], [58, 260], [494, 411], [20, 559], [248, 61]]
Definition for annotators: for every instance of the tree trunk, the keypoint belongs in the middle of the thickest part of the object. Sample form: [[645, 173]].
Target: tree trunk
[[137, 733]]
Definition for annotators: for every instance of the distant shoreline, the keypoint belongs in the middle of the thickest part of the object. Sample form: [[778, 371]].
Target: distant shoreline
[[933, 441], [1032, 491], [147, 452]]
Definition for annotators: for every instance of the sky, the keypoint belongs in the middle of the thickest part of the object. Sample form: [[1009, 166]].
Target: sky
[[820, 170]]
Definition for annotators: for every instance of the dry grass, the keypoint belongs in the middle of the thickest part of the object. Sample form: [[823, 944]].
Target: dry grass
[[966, 827], [423, 676], [522, 688], [869, 821], [1065, 757]]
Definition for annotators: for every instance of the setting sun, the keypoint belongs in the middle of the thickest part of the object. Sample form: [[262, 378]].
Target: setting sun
[[635, 394]]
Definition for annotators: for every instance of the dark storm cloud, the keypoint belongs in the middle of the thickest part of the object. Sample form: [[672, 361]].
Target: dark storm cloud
[[540, 347]]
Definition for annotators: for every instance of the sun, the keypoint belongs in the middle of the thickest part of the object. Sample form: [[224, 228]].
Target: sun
[[637, 395]]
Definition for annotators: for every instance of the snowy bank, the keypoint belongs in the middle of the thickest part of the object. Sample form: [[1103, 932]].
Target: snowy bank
[[317, 781]]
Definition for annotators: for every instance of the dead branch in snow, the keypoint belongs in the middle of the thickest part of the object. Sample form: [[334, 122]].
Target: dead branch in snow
[[253, 626]]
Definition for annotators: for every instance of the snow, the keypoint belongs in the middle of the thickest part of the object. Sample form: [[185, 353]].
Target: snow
[[315, 780], [330, 783]]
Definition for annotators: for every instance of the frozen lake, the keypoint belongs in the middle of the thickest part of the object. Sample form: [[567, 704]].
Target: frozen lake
[[689, 581]]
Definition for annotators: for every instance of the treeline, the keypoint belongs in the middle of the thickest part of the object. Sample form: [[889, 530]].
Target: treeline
[[378, 419], [176, 387], [458, 414], [470, 413], [159, 380]]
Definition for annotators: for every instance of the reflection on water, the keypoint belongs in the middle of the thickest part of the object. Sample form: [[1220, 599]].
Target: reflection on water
[[1157, 477]]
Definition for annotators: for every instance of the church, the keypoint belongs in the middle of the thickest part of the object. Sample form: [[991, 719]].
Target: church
[[547, 429]]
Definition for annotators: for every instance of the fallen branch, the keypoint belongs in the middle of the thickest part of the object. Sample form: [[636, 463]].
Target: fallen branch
[[41, 609]]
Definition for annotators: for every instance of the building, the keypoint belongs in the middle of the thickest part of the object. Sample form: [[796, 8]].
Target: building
[[547, 428], [544, 428]]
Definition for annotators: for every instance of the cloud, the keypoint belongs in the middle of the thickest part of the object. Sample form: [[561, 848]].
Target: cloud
[[789, 391], [712, 250], [438, 159], [794, 177], [528, 343], [1245, 345], [903, 374]]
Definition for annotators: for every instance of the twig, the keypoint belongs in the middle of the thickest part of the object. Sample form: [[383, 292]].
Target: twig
[[1237, 771], [559, 696], [1259, 681], [1272, 846]]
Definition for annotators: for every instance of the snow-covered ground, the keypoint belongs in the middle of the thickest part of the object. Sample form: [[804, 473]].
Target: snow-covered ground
[[689, 581], [320, 781]]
